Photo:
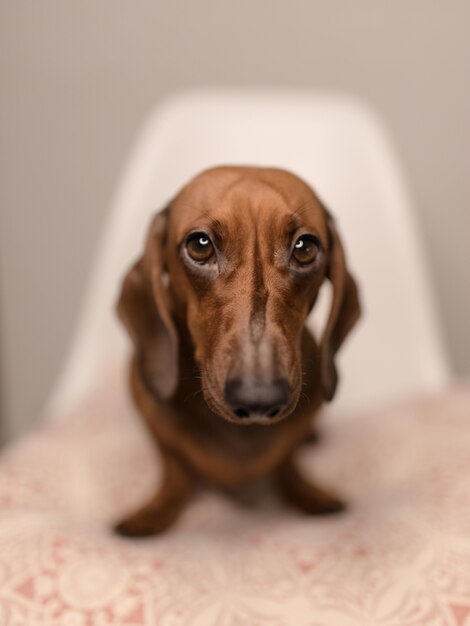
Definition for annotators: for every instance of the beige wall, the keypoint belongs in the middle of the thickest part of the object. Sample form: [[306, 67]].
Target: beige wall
[[76, 78]]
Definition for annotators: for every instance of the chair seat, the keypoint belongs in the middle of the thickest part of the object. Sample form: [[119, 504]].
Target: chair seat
[[399, 556]]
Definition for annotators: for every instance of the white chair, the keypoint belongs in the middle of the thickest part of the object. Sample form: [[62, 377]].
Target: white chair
[[341, 148], [400, 555]]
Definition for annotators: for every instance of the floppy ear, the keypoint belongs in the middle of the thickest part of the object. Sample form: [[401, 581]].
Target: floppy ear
[[344, 312], [144, 309]]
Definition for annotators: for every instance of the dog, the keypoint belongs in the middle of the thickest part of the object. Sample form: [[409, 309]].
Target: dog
[[224, 372]]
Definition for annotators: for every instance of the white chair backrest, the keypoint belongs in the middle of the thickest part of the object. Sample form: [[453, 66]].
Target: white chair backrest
[[338, 146]]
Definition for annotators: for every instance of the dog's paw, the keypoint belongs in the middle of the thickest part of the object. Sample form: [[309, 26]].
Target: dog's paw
[[309, 498], [127, 528], [319, 502], [332, 506], [146, 524]]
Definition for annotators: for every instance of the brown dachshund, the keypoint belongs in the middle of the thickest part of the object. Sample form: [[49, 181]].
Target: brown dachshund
[[224, 372]]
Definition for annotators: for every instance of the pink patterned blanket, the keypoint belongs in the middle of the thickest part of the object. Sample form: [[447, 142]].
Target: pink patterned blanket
[[399, 557]]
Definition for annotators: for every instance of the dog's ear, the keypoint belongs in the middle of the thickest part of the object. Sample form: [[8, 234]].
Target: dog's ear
[[344, 312], [144, 308]]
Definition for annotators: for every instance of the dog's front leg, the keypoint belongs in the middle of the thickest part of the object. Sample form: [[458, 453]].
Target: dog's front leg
[[303, 494], [165, 506]]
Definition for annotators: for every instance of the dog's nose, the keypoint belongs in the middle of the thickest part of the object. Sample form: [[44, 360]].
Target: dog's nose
[[247, 397]]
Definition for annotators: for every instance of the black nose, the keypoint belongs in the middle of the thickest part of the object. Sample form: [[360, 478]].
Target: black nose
[[246, 397]]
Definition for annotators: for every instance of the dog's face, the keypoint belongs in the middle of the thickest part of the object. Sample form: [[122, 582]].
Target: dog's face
[[246, 251]]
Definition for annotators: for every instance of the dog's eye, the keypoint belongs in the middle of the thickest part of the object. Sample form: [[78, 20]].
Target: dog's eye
[[200, 248], [306, 249]]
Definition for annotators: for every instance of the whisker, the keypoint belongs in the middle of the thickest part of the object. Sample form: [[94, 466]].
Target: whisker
[[194, 394]]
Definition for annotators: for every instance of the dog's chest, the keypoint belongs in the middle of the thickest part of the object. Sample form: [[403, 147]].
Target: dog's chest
[[233, 442]]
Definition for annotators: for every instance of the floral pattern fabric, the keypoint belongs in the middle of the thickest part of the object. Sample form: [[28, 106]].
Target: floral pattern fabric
[[400, 555]]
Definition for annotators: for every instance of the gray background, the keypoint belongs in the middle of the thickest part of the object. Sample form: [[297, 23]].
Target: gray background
[[77, 77]]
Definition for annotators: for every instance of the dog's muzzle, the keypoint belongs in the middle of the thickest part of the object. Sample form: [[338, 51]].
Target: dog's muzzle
[[249, 399]]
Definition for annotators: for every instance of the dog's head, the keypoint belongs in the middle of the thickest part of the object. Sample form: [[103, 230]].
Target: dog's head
[[237, 261]]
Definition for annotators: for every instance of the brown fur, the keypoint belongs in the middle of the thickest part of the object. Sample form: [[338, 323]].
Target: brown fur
[[195, 327]]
